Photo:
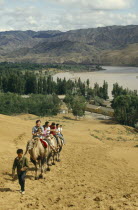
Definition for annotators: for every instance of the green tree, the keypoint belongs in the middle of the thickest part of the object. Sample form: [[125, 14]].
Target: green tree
[[30, 83], [69, 101], [105, 90], [44, 86], [78, 106], [40, 85], [126, 109]]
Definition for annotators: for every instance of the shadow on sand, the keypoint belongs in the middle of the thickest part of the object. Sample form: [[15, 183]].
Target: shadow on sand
[[69, 118], [108, 122], [5, 190], [16, 177], [136, 146]]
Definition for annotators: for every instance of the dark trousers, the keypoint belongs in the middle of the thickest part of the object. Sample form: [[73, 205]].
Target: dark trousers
[[21, 178], [56, 137]]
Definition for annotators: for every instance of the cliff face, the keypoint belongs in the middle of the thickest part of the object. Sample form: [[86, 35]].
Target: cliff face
[[114, 45]]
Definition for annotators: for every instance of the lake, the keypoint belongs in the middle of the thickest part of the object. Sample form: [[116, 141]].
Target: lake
[[125, 76]]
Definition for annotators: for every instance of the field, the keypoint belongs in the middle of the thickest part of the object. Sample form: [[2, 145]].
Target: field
[[98, 168]]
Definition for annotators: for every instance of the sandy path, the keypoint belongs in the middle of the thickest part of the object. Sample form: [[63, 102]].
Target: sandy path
[[94, 172]]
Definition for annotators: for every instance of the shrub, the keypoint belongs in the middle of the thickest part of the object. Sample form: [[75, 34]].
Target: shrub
[[41, 105]]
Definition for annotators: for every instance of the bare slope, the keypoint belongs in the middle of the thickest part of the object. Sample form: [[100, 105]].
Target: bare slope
[[98, 168]]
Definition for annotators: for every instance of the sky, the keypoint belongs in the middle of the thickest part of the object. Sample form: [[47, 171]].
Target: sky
[[66, 15]]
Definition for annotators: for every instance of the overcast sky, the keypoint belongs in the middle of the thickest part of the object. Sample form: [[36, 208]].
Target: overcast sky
[[66, 14]]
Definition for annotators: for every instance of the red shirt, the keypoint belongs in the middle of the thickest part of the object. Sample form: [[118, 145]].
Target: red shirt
[[53, 132]]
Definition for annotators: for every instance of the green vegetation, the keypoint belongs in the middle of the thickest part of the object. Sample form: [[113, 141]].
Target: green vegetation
[[77, 104], [101, 92], [4, 66], [125, 105], [42, 88], [19, 79], [136, 125], [40, 105], [78, 107], [75, 67], [16, 81]]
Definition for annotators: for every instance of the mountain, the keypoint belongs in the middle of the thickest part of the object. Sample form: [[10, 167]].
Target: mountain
[[102, 37], [114, 45]]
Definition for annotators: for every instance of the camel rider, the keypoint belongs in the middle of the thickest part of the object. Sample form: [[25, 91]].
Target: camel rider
[[53, 131], [35, 129], [58, 132], [39, 133], [35, 133], [46, 135], [46, 129], [61, 129]]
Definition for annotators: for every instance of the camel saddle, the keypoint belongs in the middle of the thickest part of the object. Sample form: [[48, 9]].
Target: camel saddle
[[44, 143]]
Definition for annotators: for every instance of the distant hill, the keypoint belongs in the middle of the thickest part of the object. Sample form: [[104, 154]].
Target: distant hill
[[112, 45]]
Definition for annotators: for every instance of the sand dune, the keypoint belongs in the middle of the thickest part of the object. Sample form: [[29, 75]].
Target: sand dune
[[98, 168]]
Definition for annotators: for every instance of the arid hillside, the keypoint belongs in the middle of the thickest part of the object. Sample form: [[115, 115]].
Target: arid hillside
[[111, 45], [98, 168]]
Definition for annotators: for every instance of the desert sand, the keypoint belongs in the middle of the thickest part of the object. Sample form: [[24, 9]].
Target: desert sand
[[98, 168]]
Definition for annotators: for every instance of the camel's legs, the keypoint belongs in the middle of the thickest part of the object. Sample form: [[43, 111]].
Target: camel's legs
[[42, 163], [58, 154], [58, 157], [48, 164], [53, 158], [36, 169]]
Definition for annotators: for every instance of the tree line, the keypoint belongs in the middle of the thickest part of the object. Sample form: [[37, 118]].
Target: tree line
[[4, 66], [35, 66], [44, 90], [31, 83]]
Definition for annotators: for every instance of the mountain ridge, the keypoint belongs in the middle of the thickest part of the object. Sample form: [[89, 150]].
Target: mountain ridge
[[92, 45]]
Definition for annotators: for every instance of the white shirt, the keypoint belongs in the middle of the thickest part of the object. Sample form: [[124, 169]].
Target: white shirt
[[58, 130], [48, 130]]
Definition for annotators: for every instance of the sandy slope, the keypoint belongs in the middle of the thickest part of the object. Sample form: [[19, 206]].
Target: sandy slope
[[98, 168]]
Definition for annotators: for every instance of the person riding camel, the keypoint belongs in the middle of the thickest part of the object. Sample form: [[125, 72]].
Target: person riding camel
[[35, 128], [53, 131], [46, 135], [46, 129], [39, 133], [58, 133], [61, 129], [35, 134]]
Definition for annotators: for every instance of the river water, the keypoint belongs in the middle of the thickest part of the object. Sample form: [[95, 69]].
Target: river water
[[125, 76]]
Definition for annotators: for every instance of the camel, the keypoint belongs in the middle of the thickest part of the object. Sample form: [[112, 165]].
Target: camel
[[58, 147], [54, 153], [38, 155]]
